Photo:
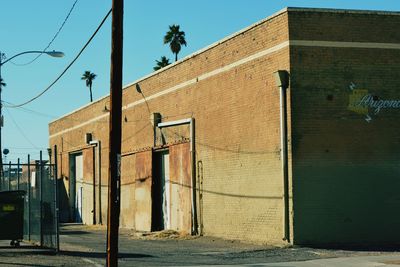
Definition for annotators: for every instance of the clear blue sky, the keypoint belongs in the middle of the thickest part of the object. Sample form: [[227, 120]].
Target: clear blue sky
[[30, 25]]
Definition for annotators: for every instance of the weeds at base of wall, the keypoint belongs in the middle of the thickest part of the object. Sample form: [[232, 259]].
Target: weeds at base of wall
[[165, 234]]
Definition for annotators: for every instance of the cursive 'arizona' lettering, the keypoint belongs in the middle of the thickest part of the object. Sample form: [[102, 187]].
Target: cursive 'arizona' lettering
[[369, 102]]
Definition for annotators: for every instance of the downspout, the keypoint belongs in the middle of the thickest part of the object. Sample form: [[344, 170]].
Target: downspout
[[99, 178], [96, 143], [192, 181], [94, 182], [282, 81]]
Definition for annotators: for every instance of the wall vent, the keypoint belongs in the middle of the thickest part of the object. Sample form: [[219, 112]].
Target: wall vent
[[88, 138]]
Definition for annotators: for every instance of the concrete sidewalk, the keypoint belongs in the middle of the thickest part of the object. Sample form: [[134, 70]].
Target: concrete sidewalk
[[360, 261], [363, 261], [86, 246]]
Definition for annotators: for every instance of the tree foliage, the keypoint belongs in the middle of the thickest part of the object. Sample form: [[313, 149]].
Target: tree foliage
[[163, 62], [175, 38], [88, 77]]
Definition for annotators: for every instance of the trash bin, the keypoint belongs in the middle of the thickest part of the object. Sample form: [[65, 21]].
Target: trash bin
[[12, 216]]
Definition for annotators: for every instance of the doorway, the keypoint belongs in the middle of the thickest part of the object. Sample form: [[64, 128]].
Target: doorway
[[160, 191], [76, 187], [171, 189]]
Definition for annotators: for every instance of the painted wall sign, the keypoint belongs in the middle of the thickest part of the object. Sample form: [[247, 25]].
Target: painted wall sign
[[369, 102], [354, 101], [361, 102]]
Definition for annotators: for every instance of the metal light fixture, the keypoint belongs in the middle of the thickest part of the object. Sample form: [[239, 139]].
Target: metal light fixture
[[53, 53]]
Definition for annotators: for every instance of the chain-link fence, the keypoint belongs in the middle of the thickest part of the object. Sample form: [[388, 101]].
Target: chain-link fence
[[38, 180]]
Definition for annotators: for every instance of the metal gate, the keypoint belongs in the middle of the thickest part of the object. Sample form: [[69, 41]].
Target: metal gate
[[39, 180]]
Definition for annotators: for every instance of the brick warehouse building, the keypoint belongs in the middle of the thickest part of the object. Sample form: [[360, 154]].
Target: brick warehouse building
[[201, 138]]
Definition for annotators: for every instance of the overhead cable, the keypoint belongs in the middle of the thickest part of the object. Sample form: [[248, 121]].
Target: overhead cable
[[52, 40], [30, 111], [65, 70], [20, 130]]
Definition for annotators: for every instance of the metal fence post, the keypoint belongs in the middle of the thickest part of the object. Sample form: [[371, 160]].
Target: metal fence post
[[41, 196], [18, 165], [56, 213], [9, 176], [1, 180], [29, 197]]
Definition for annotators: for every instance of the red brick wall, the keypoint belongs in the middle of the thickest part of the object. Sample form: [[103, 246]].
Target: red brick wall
[[345, 170], [230, 91]]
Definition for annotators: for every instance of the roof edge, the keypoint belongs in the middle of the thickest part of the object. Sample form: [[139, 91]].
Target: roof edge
[[233, 35], [78, 109], [341, 10], [198, 52]]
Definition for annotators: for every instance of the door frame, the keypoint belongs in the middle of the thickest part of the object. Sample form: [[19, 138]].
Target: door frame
[[161, 215], [73, 190]]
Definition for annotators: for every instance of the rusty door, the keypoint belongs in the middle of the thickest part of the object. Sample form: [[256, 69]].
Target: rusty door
[[180, 187], [143, 187]]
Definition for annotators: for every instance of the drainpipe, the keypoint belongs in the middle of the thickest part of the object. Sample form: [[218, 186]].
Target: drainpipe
[[193, 180], [282, 81], [96, 143], [99, 179]]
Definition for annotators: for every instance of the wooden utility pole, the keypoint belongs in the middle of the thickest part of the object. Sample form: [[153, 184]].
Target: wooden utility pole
[[114, 173]]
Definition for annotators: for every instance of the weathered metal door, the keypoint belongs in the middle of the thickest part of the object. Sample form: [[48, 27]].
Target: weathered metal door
[[76, 186], [171, 189], [143, 202], [166, 190], [179, 184], [79, 187]]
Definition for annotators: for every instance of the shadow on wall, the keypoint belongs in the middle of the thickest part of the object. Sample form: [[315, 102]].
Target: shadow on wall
[[63, 202], [356, 204]]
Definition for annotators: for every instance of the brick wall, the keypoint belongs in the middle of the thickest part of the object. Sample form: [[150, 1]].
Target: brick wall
[[346, 170], [229, 90]]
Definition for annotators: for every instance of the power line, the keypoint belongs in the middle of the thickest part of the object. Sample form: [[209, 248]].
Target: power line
[[30, 111], [26, 148], [65, 70], [20, 130], [23, 153], [52, 40]]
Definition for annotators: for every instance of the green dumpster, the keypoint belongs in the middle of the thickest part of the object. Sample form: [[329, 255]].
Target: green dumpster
[[12, 216]]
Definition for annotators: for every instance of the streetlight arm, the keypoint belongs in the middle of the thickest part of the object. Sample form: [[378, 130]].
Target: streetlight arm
[[51, 53]]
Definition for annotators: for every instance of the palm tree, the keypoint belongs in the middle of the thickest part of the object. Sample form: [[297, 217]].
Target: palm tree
[[163, 62], [175, 38], [3, 84], [89, 77]]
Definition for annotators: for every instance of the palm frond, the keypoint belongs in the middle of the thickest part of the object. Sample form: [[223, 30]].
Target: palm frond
[[175, 38], [88, 77], [2, 82], [163, 62]]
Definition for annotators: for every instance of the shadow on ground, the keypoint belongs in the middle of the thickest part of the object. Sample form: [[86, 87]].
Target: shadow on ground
[[103, 255], [358, 247], [25, 264], [72, 232]]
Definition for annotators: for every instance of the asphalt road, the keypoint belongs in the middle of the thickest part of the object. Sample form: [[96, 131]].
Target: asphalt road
[[85, 246]]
